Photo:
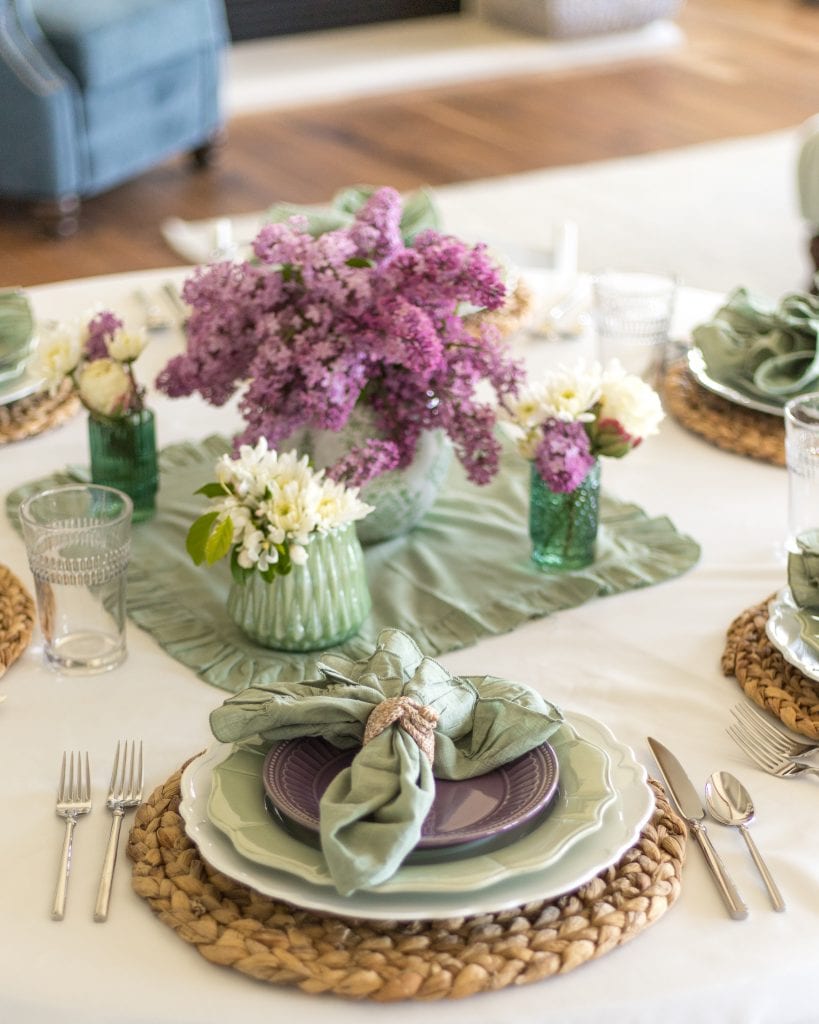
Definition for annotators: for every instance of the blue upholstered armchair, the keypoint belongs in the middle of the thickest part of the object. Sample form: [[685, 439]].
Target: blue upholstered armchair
[[94, 92]]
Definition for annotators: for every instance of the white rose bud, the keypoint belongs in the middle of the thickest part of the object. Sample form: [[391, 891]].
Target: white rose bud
[[58, 353], [104, 387], [125, 346]]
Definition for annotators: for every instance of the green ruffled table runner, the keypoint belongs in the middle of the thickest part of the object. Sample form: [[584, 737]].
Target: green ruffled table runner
[[461, 575]]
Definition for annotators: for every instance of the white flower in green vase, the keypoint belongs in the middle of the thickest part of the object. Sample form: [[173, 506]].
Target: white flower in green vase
[[125, 345], [104, 387], [58, 353]]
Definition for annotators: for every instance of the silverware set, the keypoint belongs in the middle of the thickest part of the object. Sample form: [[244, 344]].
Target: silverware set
[[156, 316], [729, 804], [771, 749], [74, 799]]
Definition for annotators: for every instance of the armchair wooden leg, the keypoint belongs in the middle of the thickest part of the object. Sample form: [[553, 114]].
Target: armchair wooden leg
[[814, 252], [59, 218], [207, 154]]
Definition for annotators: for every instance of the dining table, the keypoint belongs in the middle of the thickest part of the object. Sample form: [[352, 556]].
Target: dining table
[[646, 662]]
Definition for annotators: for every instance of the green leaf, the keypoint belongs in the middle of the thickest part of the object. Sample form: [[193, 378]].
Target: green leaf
[[218, 543], [198, 535], [212, 490], [359, 261]]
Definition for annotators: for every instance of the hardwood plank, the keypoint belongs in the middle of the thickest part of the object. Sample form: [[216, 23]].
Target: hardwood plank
[[748, 66]]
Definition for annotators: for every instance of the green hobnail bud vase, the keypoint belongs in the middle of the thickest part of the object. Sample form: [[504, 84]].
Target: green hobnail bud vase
[[123, 455], [563, 526]]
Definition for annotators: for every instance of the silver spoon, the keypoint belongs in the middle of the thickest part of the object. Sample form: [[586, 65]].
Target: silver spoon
[[730, 804]]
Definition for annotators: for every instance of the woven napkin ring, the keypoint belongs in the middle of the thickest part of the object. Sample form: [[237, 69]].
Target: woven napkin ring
[[416, 719]]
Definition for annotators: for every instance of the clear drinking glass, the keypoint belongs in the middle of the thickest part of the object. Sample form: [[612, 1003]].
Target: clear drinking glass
[[632, 317], [802, 457], [78, 540]]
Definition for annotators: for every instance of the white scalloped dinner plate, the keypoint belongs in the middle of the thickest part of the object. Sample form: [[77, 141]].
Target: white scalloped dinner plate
[[792, 632], [546, 877], [29, 381], [236, 807], [696, 364]]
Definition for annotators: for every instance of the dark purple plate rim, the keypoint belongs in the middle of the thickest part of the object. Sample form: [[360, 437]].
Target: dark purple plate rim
[[296, 772]]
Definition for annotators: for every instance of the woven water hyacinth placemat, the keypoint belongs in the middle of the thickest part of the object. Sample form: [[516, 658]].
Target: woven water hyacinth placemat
[[386, 961], [16, 618], [743, 431], [765, 676], [37, 413]]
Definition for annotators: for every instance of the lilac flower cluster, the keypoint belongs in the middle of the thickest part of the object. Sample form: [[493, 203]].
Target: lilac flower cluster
[[316, 325], [101, 328], [564, 457]]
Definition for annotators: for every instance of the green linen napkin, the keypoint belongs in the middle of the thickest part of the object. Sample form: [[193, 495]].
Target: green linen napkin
[[16, 327], [761, 349], [803, 571], [418, 212], [372, 812]]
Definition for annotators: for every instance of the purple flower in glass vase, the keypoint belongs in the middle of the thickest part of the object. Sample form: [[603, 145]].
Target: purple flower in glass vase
[[563, 457], [566, 420], [356, 317]]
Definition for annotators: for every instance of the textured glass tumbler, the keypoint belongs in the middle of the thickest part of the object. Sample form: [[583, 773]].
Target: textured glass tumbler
[[632, 317], [802, 457], [123, 455], [563, 526], [315, 606], [78, 541]]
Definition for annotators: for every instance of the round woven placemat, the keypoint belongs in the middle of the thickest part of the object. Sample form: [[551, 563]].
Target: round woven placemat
[[37, 413], [765, 676], [16, 618], [234, 926], [758, 435]]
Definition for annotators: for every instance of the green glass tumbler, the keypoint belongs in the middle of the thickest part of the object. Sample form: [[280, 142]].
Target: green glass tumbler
[[563, 526], [315, 606], [123, 455]]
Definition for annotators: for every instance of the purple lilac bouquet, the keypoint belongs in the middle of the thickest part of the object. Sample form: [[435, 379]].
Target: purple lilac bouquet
[[318, 325], [565, 421]]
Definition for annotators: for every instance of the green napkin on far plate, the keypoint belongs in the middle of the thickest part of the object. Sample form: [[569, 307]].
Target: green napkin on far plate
[[418, 212], [372, 812], [761, 349], [803, 571]]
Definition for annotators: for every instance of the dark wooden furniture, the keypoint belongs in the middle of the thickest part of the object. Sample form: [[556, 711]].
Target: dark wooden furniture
[[252, 19]]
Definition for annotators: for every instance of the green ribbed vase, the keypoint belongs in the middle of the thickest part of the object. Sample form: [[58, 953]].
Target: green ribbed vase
[[563, 527], [123, 455], [316, 605]]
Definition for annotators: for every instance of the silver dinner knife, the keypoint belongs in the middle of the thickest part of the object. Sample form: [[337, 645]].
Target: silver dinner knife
[[686, 798]]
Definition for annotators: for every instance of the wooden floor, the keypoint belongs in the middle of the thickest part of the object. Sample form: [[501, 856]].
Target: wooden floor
[[748, 66]]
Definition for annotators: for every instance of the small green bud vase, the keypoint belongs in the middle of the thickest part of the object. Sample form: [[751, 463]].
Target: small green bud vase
[[123, 455], [563, 527], [316, 605]]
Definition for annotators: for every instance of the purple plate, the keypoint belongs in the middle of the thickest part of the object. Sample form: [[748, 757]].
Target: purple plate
[[297, 772]]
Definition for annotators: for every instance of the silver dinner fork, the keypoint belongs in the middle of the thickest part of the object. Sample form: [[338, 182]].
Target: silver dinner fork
[[757, 724], [73, 799], [124, 791], [767, 759]]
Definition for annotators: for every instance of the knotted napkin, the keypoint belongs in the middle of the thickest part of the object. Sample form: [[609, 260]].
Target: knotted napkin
[[803, 571], [415, 721], [761, 349]]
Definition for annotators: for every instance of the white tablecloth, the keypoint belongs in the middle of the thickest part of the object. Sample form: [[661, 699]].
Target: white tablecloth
[[645, 663]]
